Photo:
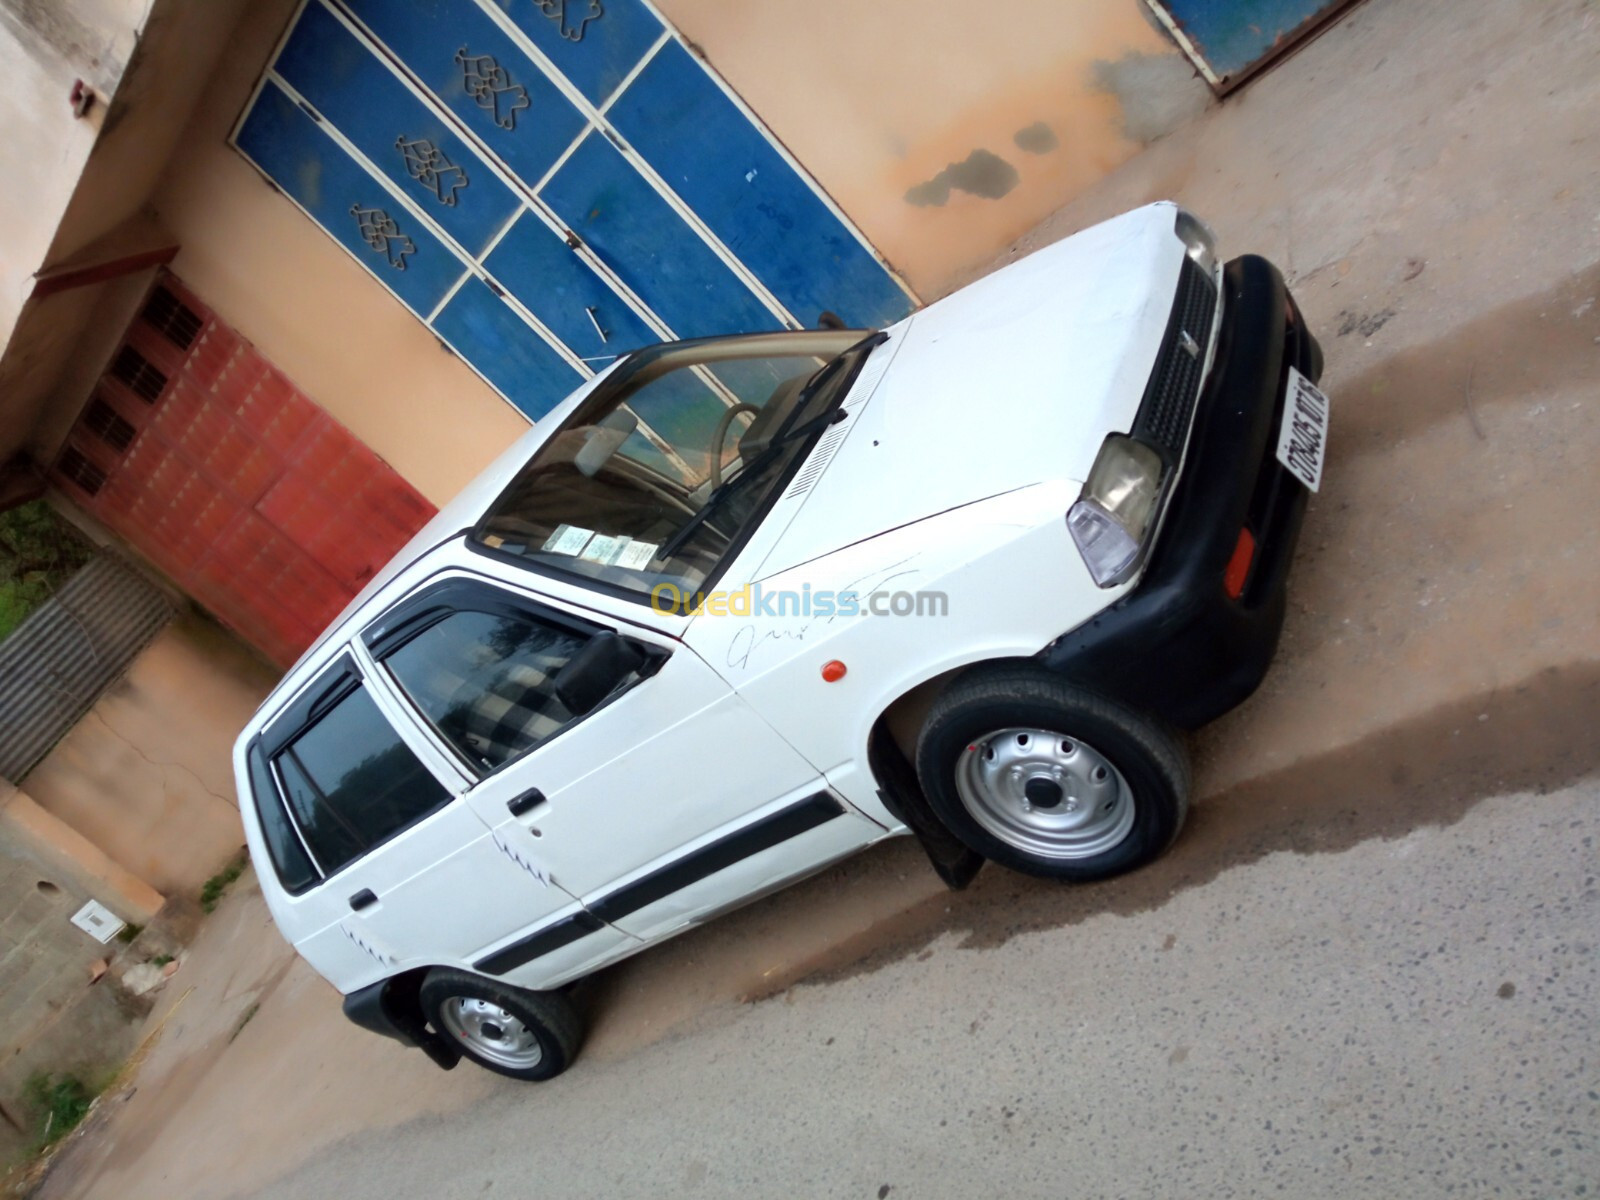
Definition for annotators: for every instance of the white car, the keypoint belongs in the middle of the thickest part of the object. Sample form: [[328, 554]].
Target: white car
[[742, 606]]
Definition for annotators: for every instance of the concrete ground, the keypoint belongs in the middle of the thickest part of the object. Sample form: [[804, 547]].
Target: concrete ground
[[1368, 968]]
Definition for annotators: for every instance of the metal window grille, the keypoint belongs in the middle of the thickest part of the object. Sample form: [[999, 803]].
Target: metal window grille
[[108, 425], [174, 319], [135, 370], [59, 661], [81, 471]]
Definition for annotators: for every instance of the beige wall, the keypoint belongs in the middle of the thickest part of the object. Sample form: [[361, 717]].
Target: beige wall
[[147, 775], [876, 100], [275, 276]]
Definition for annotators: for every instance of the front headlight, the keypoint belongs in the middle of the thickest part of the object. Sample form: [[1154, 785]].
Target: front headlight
[[1196, 235], [1114, 514]]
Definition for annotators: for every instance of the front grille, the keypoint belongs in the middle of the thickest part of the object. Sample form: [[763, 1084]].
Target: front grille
[[1169, 400]]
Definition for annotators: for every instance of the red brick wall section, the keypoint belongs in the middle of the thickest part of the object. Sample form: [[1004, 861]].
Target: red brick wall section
[[263, 507]]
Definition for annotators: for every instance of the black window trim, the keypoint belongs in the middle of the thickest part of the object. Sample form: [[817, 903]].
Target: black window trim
[[337, 681], [255, 751], [409, 618], [331, 685], [422, 610]]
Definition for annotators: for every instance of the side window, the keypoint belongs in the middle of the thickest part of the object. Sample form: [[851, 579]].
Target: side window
[[486, 680], [351, 783], [295, 870]]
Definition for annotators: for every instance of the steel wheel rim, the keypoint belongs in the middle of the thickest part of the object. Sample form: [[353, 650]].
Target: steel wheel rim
[[1044, 793], [491, 1031]]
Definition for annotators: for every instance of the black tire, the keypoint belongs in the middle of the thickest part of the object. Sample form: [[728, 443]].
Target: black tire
[[989, 707], [1313, 358], [550, 1017]]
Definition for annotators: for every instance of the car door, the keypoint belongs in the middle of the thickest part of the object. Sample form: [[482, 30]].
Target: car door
[[393, 869], [668, 800]]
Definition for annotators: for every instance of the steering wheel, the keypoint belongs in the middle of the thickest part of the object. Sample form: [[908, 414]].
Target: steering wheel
[[724, 423]]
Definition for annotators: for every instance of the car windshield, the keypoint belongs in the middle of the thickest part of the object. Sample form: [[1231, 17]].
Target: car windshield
[[658, 476]]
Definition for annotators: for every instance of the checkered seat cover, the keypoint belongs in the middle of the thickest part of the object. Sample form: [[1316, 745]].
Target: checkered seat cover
[[487, 680], [516, 711], [502, 711]]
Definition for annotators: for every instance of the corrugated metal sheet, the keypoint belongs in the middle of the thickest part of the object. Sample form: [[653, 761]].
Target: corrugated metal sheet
[[56, 664]]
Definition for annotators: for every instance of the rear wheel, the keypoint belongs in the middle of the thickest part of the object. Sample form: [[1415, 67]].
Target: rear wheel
[[1046, 777], [521, 1034]]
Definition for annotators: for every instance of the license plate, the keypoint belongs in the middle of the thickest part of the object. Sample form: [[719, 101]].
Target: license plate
[[1303, 437]]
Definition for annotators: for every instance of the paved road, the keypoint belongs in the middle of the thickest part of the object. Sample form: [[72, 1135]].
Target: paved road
[[1408, 1017]]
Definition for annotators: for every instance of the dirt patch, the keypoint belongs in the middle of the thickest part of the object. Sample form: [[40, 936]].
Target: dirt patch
[[1535, 344]]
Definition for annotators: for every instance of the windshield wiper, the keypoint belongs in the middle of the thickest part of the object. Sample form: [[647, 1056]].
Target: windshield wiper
[[752, 471], [830, 368], [832, 416]]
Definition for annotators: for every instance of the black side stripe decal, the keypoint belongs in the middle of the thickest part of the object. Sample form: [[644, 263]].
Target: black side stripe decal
[[708, 860], [724, 852], [544, 941]]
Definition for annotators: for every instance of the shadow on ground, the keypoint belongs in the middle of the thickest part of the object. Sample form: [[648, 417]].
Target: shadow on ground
[[1533, 737]]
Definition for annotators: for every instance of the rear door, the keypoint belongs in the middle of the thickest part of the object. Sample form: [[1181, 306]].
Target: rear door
[[668, 801], [387, 866]]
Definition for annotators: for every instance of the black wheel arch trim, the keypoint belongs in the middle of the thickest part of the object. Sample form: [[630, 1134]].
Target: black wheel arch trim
[[392, 1008], [901, 793]]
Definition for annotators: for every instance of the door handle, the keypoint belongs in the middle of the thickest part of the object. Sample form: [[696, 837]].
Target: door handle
[[525, 803], [365, 898]]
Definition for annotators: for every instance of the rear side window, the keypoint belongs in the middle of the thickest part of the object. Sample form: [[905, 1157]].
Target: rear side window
[[486, 681], [295, 870], [351, 783]]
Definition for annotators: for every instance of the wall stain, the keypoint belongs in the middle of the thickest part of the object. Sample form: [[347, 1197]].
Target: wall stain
[[1037, 138], [982, 173], [1156, 92]]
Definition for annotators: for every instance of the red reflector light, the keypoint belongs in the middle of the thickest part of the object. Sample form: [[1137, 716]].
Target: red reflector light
[[833, 671], [1244, 553]]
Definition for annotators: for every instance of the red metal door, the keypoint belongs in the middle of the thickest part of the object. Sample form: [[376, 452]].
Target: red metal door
[[207, 459]]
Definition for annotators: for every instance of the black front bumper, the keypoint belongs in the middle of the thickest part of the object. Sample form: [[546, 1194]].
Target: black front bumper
[[1178, 645]]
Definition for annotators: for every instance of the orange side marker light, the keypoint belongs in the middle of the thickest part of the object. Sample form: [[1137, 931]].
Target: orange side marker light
[[1238, 572]]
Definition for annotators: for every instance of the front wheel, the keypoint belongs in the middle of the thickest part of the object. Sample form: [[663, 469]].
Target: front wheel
[[1045, 777], [525, 1035]]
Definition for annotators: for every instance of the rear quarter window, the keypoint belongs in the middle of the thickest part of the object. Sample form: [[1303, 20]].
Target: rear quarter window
[[294, 867]]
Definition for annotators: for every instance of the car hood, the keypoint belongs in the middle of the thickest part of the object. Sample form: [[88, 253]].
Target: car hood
[[1011, 381]]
